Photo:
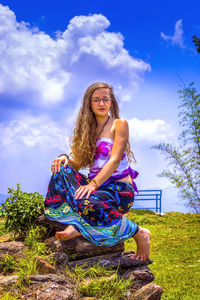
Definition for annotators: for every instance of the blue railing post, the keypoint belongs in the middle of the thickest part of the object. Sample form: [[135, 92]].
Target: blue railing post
[[160, 199], [150, 195], [156, 202]]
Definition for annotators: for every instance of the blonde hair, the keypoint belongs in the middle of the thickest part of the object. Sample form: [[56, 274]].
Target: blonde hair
[[83, 142]]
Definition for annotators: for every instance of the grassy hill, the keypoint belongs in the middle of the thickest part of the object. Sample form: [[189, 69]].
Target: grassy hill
[[175, 250]]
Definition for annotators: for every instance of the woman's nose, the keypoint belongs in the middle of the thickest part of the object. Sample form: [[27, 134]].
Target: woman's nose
[[101, 102]]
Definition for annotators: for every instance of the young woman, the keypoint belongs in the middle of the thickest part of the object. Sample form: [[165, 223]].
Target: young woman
[[94, 206]]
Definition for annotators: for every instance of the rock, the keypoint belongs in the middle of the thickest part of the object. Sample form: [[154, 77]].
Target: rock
[[5, 238], [76, 248], [49, 287], [149, 291], [89, 298], [139, 276], [52, 226], [52, 291], [79, 247], [41, 287], [44, 267], [115, 260], [61, 259], [47, 278], [142, 273], [8, 280], [12, 248]]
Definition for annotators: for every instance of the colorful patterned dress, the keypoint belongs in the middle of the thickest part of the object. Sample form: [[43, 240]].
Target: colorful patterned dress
[[99, 218]]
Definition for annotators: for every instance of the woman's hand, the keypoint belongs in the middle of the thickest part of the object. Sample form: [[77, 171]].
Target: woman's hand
[[85, 189], [55, 167]]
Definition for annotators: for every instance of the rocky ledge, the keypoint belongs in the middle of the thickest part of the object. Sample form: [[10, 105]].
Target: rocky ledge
[[52, 282]]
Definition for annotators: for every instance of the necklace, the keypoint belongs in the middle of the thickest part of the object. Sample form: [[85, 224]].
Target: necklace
[[102, 128]]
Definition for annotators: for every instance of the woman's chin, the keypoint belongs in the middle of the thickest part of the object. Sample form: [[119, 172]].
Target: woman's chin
[[101, 113]]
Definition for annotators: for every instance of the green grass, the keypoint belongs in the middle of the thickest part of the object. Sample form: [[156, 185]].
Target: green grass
[[2, 227], [98, 281], [106, 289], [175, 250], [8, 264], [92, 271], [27, 265], [9, 296]]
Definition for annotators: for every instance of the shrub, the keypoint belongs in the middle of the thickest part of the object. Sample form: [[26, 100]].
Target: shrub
[[21, 210]]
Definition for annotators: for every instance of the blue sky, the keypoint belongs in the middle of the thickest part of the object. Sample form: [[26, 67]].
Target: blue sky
[[50, 52]]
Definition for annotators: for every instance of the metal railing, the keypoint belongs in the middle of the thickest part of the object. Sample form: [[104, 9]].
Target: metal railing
[[150, 195]]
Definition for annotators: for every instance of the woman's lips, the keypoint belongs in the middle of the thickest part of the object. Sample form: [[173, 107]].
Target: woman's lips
[[101, 109]]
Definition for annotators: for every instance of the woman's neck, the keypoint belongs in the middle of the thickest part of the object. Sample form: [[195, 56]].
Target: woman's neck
[[101, 120]]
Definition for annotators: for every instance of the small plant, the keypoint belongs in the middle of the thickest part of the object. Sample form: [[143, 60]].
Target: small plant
[[110, 288], [27, 267], [2, 226], [73, 256], [33, 239], [106, 289], [93, 271], [36, 247], [8, 296], [8, 264], [21, 210]]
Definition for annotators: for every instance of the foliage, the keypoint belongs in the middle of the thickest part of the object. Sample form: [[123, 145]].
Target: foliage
[[106, 289], [36, 247], [33, 238], [21, 210], [8, 264], [26, 267], [196, 41], [98, 281], [92, 271], [8, 296], [185, 174], [2, 226], [79, 273]]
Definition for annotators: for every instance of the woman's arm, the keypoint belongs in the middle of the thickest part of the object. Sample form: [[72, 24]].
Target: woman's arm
[[72, 164], [119, 146]]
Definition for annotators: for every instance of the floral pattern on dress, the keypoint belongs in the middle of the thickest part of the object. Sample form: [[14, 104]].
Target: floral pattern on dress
[[103, 210]]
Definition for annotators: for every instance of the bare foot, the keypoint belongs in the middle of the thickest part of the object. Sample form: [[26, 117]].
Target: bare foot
[[69, 233], [142, 238]]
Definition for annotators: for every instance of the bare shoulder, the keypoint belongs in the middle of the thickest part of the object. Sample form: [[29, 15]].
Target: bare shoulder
[[120, 124]]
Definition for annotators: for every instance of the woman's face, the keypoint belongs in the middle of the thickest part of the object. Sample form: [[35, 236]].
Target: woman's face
[[101, 102]]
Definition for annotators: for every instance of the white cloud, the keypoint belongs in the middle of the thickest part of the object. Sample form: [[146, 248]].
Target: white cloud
[[40, 132], [47, 71], [150, 131], [29, 61], [177, 38], [31, 132]]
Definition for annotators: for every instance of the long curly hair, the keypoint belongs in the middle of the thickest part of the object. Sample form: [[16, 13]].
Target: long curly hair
[[83, 142]]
